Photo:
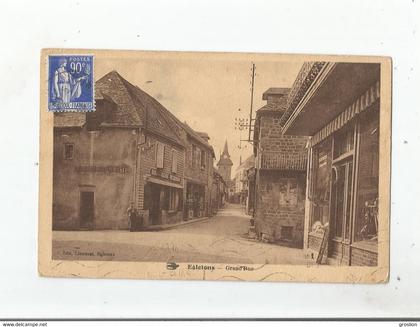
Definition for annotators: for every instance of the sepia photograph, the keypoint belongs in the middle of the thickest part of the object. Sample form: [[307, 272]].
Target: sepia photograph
[[217, 164]]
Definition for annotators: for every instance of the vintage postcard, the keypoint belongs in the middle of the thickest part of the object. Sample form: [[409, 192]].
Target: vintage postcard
[[214, 166]]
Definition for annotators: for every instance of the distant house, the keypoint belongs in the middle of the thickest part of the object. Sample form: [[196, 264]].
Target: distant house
[[280, 171], [242, 181]]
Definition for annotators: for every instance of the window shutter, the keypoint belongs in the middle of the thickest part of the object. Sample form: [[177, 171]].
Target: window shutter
[[174, 162], [160, 151]]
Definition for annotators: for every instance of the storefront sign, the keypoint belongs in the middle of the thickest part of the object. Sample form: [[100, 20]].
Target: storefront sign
[[171, 177], [175, 178], [123, 169]]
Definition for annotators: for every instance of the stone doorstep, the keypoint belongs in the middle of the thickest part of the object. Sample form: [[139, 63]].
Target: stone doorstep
[[156, 228]]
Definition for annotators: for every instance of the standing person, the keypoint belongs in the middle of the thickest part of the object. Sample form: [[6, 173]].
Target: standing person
[[132, 217]]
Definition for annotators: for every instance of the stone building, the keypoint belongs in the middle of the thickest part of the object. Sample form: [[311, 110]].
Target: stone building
[[338, 105], [126, 154], [280, 172]]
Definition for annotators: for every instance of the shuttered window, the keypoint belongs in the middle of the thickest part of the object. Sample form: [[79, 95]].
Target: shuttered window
[[160, 152], [174, 162]]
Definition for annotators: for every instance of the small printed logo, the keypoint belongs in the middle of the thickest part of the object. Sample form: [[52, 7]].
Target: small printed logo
[[70, 83], [171, 265]]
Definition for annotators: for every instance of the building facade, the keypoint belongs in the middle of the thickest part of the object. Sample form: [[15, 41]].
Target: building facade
[[242, 180], [128, 155], [198, 174], [338, 105], [280, 172]]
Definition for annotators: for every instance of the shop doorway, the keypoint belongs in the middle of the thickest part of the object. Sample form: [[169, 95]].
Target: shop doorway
[[87, 209], [341, 207], [155, 207]]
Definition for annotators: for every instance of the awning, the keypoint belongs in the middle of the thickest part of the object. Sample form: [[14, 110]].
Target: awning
[[163, 182], [360, 105]]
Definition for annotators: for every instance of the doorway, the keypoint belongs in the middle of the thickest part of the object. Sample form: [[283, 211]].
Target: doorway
[[341, 207], [155, 209], [87, 209]]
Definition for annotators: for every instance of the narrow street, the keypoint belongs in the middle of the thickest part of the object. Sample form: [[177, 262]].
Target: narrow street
[[220, 239]]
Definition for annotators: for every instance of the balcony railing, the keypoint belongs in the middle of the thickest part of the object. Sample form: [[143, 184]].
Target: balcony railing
[[304, 80]]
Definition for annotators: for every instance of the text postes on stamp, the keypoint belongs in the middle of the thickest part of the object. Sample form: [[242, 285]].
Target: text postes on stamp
[[70, 83]]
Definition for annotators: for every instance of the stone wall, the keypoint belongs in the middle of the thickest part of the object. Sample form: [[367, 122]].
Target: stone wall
[[279, 213], [113, 191]]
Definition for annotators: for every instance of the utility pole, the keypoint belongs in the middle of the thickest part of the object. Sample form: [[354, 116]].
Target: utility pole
[[250, 129]]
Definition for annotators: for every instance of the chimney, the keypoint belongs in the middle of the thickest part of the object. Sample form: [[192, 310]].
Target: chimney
[[276, 96]]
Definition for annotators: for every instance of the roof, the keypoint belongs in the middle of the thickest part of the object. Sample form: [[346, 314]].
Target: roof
[[203, 135], [192, 133], [134, 107], [272, 107], [69, 119], [275, 91]]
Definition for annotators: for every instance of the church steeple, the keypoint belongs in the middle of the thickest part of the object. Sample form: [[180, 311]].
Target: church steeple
[[225, 149], [225, 164]]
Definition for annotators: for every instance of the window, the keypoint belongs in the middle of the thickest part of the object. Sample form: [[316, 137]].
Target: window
[[319, 191], [198, 157], [173, 199], [160, 152], [203, 159], [366, 226], [174, 162], [193, 155], [68, 151], [344, 142]]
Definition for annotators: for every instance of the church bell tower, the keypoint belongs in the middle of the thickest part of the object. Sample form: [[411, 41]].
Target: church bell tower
[[225, 164]]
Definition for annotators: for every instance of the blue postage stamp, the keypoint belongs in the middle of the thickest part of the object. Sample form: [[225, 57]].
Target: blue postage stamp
[[70, 83]]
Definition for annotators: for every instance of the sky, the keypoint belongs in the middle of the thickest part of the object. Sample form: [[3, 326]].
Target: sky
[[207, 93]]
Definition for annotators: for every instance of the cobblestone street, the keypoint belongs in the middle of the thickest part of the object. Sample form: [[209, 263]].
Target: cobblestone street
[[220, 239]]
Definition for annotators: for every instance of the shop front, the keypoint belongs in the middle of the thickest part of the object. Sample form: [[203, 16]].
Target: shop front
[[343, 191], [195, 201], [163, 200], [342, 195]]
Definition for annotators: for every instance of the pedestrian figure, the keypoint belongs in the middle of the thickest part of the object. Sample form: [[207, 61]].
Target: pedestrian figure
[[133, 218]]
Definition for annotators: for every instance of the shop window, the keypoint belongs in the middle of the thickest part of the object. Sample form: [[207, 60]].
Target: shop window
[[344, 141], [174, 161], [319, 191], [366, 226], [160, 153], [68, 151]]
